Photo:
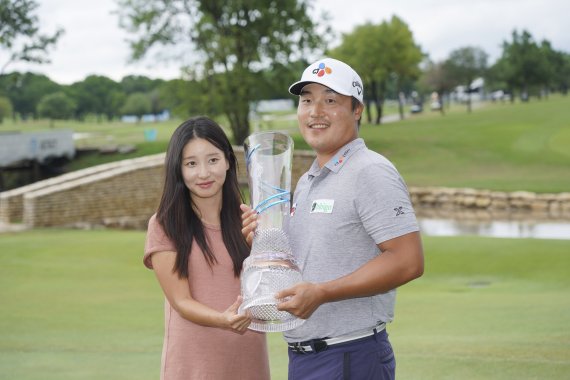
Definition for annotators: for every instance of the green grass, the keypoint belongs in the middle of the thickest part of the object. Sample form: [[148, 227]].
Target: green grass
[[500, 147], [486, 309], [503, 146], [80, 305]]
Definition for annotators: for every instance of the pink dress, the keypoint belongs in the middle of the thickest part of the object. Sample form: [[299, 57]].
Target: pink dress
[[191, 351]]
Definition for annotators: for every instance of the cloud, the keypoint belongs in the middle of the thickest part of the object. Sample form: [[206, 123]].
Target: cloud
[[94, 44]]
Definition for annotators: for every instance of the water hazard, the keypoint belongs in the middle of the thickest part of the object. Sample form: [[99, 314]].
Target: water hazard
[[501, 229]]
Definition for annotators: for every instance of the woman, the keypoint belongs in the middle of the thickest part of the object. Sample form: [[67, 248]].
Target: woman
[[195, 247]]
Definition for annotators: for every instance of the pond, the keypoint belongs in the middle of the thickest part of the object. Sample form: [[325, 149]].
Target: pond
[[502, 229]]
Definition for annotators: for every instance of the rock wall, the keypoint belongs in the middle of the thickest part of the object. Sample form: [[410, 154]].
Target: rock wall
[[465, 203], [12, 201]]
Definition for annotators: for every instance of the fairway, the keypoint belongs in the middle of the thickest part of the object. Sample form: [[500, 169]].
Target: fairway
[[499, 146], [80, 305]]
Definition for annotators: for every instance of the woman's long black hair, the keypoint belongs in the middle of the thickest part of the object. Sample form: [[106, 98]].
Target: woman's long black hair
[[175, 212]]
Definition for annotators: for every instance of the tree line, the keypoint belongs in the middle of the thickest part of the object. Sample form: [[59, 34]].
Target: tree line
[[32, 96], [525, 68], [234, 53]]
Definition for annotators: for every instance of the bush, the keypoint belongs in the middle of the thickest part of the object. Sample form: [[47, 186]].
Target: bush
[[56, 106], [5, 108]]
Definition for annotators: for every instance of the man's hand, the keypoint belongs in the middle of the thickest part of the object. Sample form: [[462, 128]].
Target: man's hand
[[302, 299], [248, 222]]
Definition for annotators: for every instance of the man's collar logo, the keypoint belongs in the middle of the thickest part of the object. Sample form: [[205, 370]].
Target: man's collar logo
[[322, 70], [339, 160]]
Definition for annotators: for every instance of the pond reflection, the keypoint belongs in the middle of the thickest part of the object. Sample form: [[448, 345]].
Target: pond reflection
[[503, 229]]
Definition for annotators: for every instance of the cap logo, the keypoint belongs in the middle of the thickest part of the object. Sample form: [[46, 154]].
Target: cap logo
[[321, 70], [358, 86]]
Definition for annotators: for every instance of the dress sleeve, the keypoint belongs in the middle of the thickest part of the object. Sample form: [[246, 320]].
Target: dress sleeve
[[156, 241]]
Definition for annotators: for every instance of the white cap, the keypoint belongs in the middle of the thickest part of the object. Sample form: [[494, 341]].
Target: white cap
[[334, 74]]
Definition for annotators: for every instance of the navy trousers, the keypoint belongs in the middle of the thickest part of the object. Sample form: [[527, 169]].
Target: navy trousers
[[363, 359]]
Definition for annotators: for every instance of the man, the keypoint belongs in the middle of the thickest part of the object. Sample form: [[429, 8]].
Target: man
[[353, 231]]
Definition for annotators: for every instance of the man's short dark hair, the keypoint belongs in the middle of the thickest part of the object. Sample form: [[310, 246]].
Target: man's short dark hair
[[355, 103]]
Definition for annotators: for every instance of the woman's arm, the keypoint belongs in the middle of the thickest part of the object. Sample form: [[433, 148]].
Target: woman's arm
[[178, 295]]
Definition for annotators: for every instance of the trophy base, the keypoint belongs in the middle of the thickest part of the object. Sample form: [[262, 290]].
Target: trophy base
[[265, 317]]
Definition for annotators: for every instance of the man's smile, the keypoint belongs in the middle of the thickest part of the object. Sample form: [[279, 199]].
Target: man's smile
[[318, 126]]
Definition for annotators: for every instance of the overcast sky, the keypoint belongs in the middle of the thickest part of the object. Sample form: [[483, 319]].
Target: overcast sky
[[94, 44]]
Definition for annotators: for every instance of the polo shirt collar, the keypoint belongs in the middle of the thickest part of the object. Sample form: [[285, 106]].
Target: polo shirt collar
[[343, 154], [339, 159]]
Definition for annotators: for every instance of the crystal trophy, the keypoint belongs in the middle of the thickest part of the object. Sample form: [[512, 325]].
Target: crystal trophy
[[271, 266]]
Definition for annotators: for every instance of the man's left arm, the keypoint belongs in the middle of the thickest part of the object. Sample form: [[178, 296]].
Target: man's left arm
[[401, 260]]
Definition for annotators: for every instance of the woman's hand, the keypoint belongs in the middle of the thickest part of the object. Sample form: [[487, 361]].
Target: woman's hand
[[233, 321], [248, 222]]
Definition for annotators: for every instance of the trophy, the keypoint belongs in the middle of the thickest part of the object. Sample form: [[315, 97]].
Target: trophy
[[271, 266]]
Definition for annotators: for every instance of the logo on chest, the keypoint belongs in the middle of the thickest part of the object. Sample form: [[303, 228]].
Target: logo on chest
[[322, 206]]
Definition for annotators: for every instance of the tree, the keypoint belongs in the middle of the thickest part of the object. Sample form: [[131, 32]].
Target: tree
[[156, 104], [465, 65], [139, 83], [5, 108], [275, 79], [523, 63], [555, 72], [233, 39], [564, 73], [404, 56], [99, 95], [380, 53], [26, 90], [56, 106], [185, 98], [435, 78], [137, 104], [498, 79], [362, 49], [19, 33]]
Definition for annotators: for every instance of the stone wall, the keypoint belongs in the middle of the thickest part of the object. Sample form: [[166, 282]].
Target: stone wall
[[12, 201], [465, 203], [123, 196], [126, 193]]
